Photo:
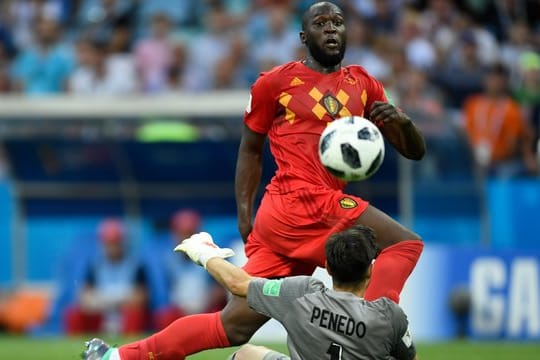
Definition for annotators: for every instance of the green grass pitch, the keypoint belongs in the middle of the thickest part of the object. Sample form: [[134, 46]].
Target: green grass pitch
[[21, 348]]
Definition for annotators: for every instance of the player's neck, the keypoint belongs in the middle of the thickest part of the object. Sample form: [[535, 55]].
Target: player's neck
[[313, 64], [356, 289]]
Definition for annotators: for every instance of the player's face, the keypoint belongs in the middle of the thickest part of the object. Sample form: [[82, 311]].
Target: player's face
[[325, 36]]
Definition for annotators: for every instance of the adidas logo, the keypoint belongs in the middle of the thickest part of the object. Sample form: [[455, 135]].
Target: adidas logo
[[296, 81]]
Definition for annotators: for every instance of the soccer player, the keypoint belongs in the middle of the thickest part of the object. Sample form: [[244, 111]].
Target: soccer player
[[304, 203], [336, 323]]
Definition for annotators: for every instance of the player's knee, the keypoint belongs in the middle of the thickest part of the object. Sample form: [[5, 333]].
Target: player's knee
[[240, 322], [238, 331], [238, 335]]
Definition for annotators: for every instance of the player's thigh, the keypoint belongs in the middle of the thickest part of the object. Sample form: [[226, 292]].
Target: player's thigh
[[240, 321], [388, 230], [264, 262], [253, 352]]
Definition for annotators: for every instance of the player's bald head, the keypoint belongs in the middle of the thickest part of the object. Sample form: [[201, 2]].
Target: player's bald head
[[319, 8]]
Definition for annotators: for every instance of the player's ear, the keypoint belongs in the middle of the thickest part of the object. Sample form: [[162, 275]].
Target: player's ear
[[369, 271], [327, 268], [302, 35]]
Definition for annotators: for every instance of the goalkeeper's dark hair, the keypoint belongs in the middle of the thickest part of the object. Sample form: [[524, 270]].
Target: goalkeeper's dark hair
[[349, 254]]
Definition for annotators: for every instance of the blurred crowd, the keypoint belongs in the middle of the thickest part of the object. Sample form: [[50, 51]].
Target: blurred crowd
[[128, 290], [433, 56], [109, 283]]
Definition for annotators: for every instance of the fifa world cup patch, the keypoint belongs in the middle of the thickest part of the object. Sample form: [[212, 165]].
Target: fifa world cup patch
[[348, 203], [272, 288]]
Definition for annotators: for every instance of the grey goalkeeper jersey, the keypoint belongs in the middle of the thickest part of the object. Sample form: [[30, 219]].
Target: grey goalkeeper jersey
[[325, 324]]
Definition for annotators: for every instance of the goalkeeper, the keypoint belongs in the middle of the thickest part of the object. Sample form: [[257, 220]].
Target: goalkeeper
[[321, 323]]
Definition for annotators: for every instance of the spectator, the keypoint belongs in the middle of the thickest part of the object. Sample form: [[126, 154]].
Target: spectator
[[153, 55], [400, 67], [364, 8], [359, 51], [24, 14], [176, 72], [180, 12], [420, 52], [5, 81], [436, 24], [461, 76], [384, 18], [43, 69], [512, 50], [500, 137], [114, 295], [97, 74], [423, 103], [527, 92], [236, 70], [277, 47], [99, 18], [191, 290], [121, 58], [486, 43], [207, 49], [6, 40]]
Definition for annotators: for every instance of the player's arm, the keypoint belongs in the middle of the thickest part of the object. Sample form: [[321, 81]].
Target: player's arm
[[403, 346], [398, 129], [248, 177], [394, 124], [231, 277], [258, 119], [202, 250]]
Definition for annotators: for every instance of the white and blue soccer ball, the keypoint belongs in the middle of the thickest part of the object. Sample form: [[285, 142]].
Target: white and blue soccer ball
[[351, 148]]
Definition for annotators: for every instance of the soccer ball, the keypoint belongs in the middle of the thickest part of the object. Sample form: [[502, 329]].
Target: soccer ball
[[351, 148]]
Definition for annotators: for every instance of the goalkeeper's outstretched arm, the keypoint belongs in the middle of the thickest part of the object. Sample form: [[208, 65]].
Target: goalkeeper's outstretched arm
[[231, 277], [202, 250]]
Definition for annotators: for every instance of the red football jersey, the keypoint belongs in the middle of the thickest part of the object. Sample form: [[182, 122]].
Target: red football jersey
[[293, 104]]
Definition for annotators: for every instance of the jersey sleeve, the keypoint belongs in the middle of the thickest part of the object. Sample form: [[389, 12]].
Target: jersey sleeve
[[274, 298], [403, 347], [261, 108]]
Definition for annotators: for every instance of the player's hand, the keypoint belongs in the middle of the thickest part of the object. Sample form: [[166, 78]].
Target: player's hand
[[201, 247], [382, 113]]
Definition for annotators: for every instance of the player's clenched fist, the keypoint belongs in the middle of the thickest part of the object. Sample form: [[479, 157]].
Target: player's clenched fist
[[200, 248], [383, 112]]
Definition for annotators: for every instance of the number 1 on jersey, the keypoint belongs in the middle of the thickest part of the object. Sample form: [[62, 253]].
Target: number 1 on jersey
[[335, 351]]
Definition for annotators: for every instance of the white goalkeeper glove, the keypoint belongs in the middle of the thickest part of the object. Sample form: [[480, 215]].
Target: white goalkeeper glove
[[200, 248]]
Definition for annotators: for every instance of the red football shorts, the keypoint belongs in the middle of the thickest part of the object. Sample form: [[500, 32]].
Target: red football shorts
[[290, 230]]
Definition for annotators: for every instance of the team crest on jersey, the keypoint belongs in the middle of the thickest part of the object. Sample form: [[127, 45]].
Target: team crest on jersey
[[348, 203], [331, 104]]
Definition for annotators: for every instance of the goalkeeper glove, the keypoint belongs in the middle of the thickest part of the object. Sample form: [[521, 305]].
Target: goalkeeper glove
[[201, 247]]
